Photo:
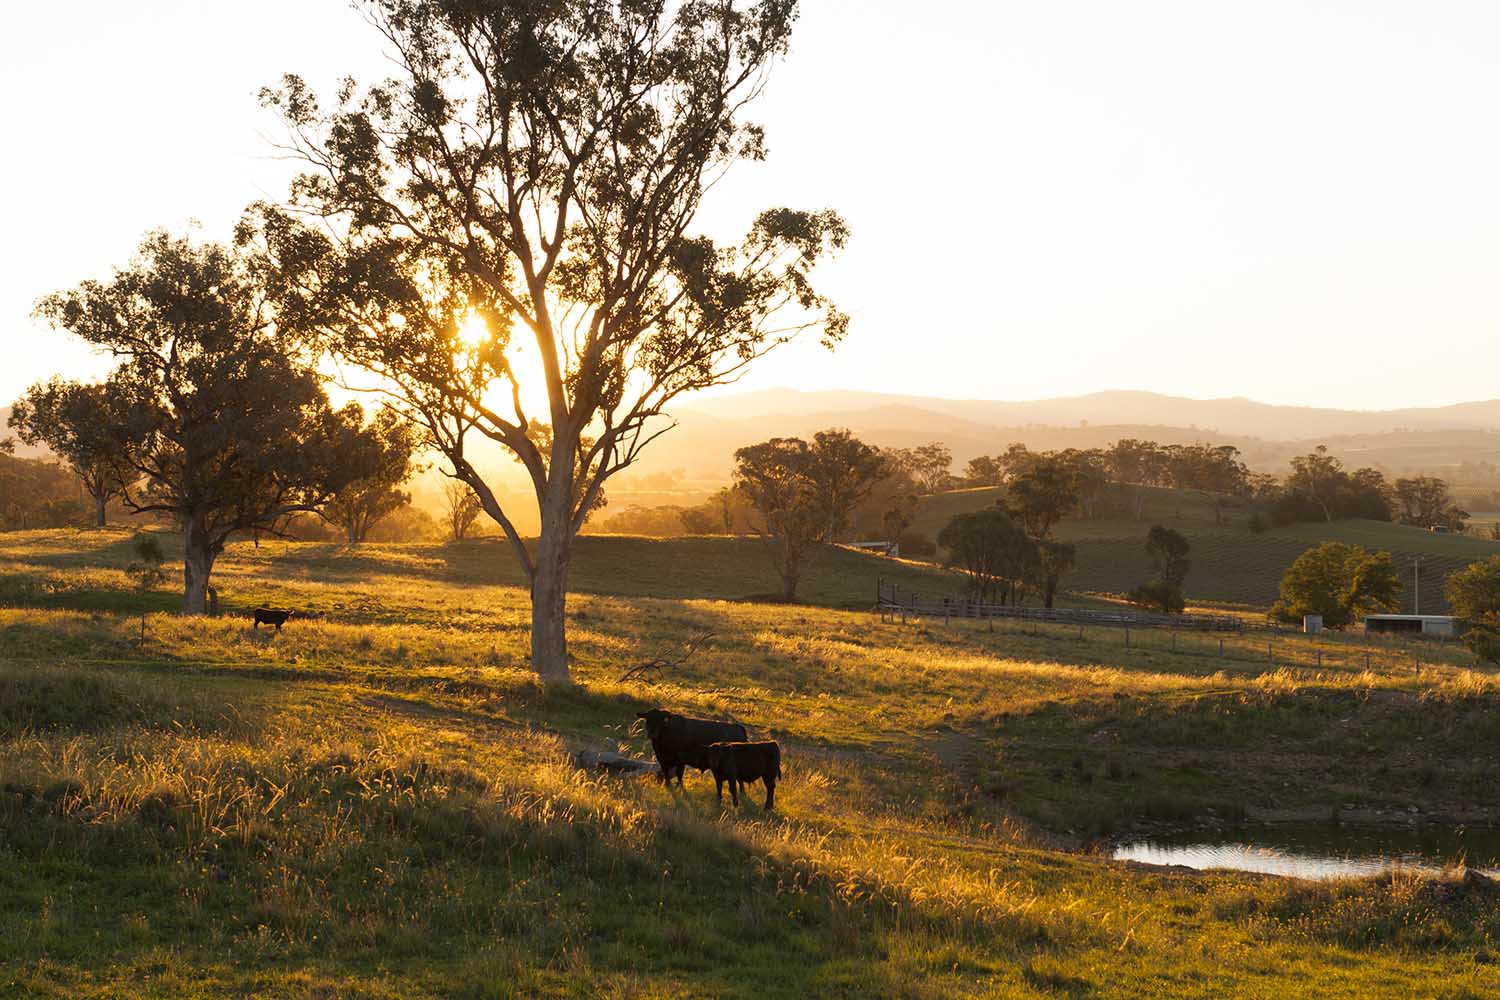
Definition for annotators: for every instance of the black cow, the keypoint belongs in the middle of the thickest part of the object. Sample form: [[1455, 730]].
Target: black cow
[[271, 616], [741, 763], [680, 741]]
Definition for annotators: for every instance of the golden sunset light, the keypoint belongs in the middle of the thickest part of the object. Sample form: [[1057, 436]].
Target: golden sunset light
[[1033, 466]]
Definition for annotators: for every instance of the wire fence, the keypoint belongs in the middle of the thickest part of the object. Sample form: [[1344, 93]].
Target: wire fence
[[892, 603], [1224, 638]]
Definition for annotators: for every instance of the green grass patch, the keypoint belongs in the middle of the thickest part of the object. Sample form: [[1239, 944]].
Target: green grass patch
[[380, 801]]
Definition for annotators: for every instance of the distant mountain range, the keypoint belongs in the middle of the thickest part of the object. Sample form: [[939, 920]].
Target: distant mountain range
[[1426, 439], [1233, 416], [1413, 438]]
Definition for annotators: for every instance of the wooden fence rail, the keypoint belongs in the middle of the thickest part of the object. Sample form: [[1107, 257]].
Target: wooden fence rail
[[893, 604]]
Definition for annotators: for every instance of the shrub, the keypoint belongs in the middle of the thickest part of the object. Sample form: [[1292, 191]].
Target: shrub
[[1484, 643], [1159, 595], [914, 543]]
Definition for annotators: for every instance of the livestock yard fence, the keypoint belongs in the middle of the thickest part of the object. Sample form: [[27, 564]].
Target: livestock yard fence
[[893, 605]]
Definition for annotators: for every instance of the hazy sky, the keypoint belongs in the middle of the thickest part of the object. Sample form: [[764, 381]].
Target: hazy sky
[[1293, 201]]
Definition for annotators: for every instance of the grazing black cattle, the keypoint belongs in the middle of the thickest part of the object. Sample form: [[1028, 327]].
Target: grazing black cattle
[[680, 741], [271, 616], [741, 763]]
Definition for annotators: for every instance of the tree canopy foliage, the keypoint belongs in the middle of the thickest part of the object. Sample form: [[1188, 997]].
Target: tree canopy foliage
[[389, 445], [994, 552], [77, 423], [1474, 594], [1426, 502], [1167, 550], [1340, 582], [804, 494], [36, 494], [524, 189], [220, 426]]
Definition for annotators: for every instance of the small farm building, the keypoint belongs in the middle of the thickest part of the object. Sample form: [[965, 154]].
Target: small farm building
[[1434, 625]]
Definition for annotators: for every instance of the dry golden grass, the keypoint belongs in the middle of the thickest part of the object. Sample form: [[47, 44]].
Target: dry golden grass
[[381, 801]]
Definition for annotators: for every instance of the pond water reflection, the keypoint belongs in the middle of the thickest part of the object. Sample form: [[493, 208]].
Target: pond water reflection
[[1321, 851]]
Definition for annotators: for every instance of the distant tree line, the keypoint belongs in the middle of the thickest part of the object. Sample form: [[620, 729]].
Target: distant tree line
[[37, 494]]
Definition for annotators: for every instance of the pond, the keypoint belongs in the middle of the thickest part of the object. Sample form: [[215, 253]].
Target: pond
[[1321, 851]]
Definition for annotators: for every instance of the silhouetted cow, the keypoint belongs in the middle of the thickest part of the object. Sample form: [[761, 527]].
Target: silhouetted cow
[[680, 741], [271, 616], [741, 763]]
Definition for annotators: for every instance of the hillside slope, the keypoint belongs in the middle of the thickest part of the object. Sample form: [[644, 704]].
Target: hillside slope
[[384, 803], [1230, 564], [1236, 415]]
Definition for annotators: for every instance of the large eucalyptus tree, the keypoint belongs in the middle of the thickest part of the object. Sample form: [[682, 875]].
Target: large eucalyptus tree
[[218, 423], [538, 165]]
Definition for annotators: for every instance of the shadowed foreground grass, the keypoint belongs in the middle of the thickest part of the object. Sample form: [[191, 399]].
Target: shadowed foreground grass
[[382, 803]]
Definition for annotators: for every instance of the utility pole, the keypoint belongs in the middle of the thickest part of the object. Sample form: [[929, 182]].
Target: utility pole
[[1416, 578]]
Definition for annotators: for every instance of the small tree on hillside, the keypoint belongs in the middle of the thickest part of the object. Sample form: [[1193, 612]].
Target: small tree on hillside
[[993, 552], [1168, 550], [891, 504], [1474, 594], [1041, 492], [1340, 582], [223, 429], [78, 422], [1426, 502], [146, 570], [1316, 477], [930, 465], [1055, 560], [983, 470], [804, 493], [391, 443], [1138, 464], [777, 478], [844, 469], [462, 508]]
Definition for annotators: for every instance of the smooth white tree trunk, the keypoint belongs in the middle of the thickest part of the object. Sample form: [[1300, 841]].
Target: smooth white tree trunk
[[197, 564], [549, 595]]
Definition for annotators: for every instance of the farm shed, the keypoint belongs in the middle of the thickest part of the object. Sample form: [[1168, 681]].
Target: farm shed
[[1445, 626]]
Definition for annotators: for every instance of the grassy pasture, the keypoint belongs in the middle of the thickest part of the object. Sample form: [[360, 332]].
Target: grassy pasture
[[1230, 564], [56, 569], [380, 802]]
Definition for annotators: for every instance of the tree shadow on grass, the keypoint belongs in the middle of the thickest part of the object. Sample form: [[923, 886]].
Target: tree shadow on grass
[[28, 590]]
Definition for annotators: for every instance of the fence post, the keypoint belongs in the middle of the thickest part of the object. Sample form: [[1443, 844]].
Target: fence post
[[1174, 641], [1270, 661], [1127, 636]]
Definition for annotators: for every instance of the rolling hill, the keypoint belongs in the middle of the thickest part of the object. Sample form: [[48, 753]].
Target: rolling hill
[[1403, 441], [1230, 564], [1232, 416]]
